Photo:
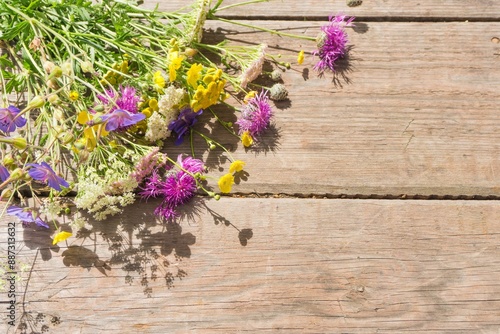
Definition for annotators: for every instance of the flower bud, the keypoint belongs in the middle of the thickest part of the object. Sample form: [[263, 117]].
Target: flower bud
[[67, 69], [19, 143], [48, 66], [56, 72], [18, 174], [66, 137], [87, 67], [67, 211], [52, 83], [8, 160], [53, 99], [6, 194], [36, 102], [212, 146], [190, 52], [217, 197]]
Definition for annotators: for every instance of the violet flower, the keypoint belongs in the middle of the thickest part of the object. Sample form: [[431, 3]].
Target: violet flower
[[332, 42], [26, 216], [120, 119], [256, 115], [4, 173], [186, 119], [43, 172], [9, 119]]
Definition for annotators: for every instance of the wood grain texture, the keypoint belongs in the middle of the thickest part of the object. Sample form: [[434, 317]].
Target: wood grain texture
[[422, 9], [413, 111], [308, 266]]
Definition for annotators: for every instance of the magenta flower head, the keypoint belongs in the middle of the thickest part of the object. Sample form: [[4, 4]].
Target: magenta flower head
[[176, 188], [120, 119], [42, 172], [9, 119], [256, 115], [332, 42], [4, 173], [186, 119], [127, 100], [26, 216]]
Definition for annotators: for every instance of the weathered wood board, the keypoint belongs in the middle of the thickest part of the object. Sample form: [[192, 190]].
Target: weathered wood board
[[299, 266], [414, 111], [373, 9]]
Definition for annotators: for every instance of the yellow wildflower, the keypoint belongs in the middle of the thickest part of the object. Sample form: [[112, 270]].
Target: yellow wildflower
[[193, 75], [61, 236], [225, 183], [300, 57], [236, 166], [159, 81], [250, 94], [73, 95], [175, 62], [246, 139], [91, 133]]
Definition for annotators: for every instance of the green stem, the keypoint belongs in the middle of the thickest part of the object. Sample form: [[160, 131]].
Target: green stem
[[271, 31]]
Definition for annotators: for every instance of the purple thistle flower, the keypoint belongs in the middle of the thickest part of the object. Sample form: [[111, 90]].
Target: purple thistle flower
[[256, 115], [177, 188], [126, 101], [186, 119], [120, 119], [26, 216], [152, 186], [332, 42], [9, 119], [4, 173], [43, 172], [192, 165]]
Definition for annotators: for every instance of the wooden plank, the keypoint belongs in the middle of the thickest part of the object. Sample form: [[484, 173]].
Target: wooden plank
[[382, 9], [309, 266], [416, 114]]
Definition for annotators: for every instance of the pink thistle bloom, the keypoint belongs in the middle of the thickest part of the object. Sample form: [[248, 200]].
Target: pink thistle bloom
[[9, 119], [127, 99], [332, 42], [256, 115], [177, 188]]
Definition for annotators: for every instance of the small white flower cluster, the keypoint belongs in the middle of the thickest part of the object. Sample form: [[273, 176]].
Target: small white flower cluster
[[104, 195], [254, 69], [158, 122]]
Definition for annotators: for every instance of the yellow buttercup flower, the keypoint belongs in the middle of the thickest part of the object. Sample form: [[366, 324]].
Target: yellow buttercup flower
[[159, 81], [175, 62], [225, 183], [300, 57], [236, 166], [193, 75], [246, 139], [61, 236], [73, 95]]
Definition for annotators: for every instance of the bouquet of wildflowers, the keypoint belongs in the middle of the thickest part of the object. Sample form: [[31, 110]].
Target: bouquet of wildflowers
[[94, 94]]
